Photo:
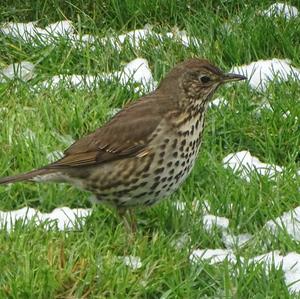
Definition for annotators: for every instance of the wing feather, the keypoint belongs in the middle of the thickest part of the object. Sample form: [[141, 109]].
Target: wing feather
[[125, 135]]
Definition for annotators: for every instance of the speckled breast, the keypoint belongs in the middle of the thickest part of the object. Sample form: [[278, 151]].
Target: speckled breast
[[154, 174]]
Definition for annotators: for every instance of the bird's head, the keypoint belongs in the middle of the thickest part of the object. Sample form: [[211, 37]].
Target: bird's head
[[198, 79]]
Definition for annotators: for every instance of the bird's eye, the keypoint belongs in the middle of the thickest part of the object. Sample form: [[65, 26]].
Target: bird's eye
[[204, 79]]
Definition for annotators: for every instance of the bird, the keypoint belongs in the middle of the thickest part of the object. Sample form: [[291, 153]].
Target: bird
[[148, 149]]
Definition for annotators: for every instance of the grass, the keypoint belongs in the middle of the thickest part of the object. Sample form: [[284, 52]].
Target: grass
[[36, 263]]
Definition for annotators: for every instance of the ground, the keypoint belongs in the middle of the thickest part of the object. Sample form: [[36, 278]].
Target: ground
[[88, 262]]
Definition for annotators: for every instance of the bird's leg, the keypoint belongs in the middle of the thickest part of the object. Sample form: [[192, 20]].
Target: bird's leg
[[132, 217], [128, 219]]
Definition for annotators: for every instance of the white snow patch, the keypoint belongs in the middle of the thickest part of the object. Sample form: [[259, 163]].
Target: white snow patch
[[29, 137], [85, 38], [71, 81], [211, 221], [289, 222], [113, 112], [136, 71], [218, 102], [54, 156], [281, 10], [205, 208], [181, 241], [261, 72], [243, 163], [231, 241], [214, 256], [196, 206], [183, 38], [61, 28], [64, 218], [23, 70], [31, 33], [269, 259], [265, 105], [24, 31], [67, 140], [179, 205], [136, 37], [291, 268], [133, 262], [288, 114], [290, 265]]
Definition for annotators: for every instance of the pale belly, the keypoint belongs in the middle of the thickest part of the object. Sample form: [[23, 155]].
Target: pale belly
[[147, 179]]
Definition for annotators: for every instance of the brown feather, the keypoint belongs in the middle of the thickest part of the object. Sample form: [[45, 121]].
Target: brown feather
[[25, 176], [128, 133], [125, 135]]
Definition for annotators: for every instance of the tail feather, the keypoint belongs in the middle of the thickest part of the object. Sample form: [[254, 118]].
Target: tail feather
[[25, 176]]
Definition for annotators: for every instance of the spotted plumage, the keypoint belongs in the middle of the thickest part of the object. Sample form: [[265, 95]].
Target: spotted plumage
[[148, 149]]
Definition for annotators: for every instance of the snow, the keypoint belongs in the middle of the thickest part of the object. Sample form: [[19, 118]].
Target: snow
[[54, 156], [24, 31], [197, 204], [136, 37], [61, 28], [136, 71], [113, 112], [291, 268], [213, 256], [29, 137], [243, 163], [218, 102], [70, 81], [281, 10], [67, 140], [183, 38], [269, 259], [261, 72], [31, 33], [179, 205], [181, 242], [23, 70], [64, 218], [290, 264], [230, 241], [133, 262], [211, 221], [205, 205], [265, 105], [289, 222]]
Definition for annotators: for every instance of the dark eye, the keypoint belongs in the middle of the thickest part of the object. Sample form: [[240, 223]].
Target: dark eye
[[204, 79]]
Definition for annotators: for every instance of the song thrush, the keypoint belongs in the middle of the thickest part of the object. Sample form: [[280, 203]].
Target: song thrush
[[149, 148]]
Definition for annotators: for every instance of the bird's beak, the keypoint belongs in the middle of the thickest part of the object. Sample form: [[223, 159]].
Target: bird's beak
[[233, 77]]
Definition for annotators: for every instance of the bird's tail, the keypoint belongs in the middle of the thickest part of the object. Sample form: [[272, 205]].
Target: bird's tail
[[28, 176]]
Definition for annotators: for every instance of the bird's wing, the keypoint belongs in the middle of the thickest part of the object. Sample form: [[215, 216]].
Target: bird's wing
[[126, 135]]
